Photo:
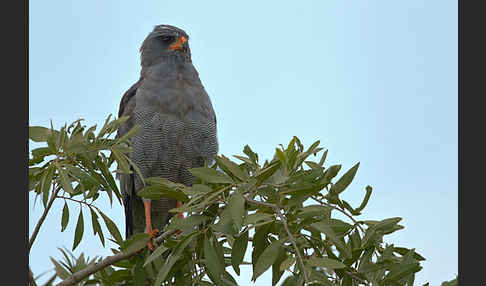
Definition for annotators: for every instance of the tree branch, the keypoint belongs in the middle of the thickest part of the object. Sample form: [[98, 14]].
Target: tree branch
[[80, 275], [357, 278], [31, 278], [43, 217], [286, 227]]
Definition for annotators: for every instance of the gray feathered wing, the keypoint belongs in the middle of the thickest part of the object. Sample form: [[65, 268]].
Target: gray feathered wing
[[127, 181]]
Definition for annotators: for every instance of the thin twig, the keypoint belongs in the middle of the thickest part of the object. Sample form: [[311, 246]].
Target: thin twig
[[81, 202], [357, 278], [340, 210], [286, 227], [43, 217], [80, 275]]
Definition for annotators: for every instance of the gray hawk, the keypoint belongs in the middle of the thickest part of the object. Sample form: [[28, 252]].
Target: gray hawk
[[178, 126]]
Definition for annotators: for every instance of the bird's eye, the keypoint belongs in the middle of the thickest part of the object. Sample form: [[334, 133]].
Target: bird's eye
[[167, 39]]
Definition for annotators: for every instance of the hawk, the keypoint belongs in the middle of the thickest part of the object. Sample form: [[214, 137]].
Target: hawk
[[178, 126]]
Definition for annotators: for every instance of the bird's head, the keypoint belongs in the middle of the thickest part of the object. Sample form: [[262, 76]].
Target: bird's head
[[165, 41]]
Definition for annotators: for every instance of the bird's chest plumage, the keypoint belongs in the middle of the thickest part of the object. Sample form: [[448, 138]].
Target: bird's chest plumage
[[178, 128]]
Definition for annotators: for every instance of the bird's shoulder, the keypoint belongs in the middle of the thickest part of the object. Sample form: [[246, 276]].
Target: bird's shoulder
[[127, 104]]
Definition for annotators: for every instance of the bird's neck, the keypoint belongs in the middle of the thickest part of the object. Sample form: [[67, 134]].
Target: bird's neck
[[171, 67]]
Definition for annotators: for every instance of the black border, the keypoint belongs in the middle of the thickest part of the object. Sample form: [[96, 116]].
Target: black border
[[14, 137], [471, 143]]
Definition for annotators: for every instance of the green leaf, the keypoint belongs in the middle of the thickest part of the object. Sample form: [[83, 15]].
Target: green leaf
[[266, 259], [325, 262], [313, 165], [302, 188], [41, 152], [355, 239], [77, 144], [39, 133], [96, 226], [323, 158], [184, 242], [245, 159], [135, 167], [403, 251], [369, 233], [121, 160], [158, 252], [453, 282], [399, 271], [331, 172], [187, 222], [81, 175], [338, 226], [159, 192], [60, 271], [112, 228], [200, 189], [65, 181], [383, 225], [252, 155], [313, 149], [238, 251], [78, 233], [210, 175], [267, 172], [314, 210], [108, 177], [130, 133], [349, 207], [256, 217], [227, 279], [236, 206], [225, 224], [214, 263], [281, 156], [111, 126], [61, 139], [292, 281], [136, 242], [326, 228], [173, 258], [287, 263], [162, 274], [345, 180], [365, 200], [231, 167], [65, 217], [46, 183], [276, 272]]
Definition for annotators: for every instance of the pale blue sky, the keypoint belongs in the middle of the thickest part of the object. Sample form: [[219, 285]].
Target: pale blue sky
[[375, 81]]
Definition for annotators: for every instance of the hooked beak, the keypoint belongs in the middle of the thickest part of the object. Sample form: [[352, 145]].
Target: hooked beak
[[179, 44]]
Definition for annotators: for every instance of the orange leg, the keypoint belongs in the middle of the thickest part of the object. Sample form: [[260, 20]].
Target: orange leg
[[179, 205], [148, 224]]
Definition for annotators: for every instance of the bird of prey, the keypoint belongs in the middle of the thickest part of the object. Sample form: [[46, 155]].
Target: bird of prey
[[178, 126]]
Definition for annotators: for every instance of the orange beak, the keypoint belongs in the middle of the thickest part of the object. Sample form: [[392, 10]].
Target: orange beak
[[177, 45]]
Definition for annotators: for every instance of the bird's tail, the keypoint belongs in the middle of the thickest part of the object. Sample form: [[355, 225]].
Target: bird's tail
[[128, 204]]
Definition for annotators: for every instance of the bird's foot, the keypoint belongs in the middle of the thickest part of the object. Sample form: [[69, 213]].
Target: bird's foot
[[153, 233]]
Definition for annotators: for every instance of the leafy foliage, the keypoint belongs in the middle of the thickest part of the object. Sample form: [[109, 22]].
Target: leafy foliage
[[74, 167], [286, 212]]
